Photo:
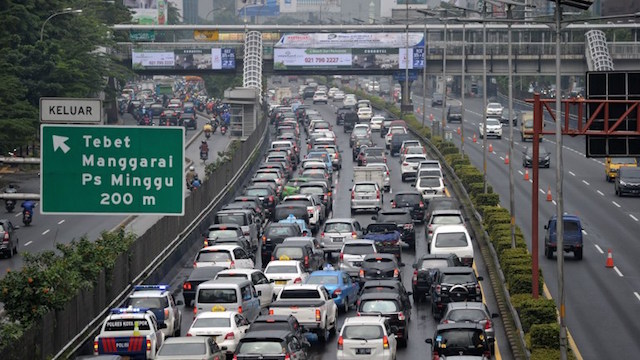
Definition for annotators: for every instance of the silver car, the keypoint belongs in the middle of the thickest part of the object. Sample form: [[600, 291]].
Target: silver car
[[337, 231], [470, 312], [442, 217], [352, 254], [366, 196]]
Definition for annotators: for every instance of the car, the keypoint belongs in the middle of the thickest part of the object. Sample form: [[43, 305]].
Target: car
[[453, 284], [437, 99], [544, 157], [386, 173], [270, 344], [470, 312], [453, 239], [308, 92], [369, 336], [396, 143], [430, 187], [228, 256], [393, 130], [195, 278], [337, 231], [411, 200], [246, 218], [366, 196], [494, 128], [613, 165], [410, 143], [409, 166], [9, 243], [460, 339], [284, 272], [342, 289], [454, 113], [341, 112], [364, 114], [376, 123], [360, 131], [159, 300], [412, 150], [424, 270], [372, 155], [391, 306], [263, 286], [359, 146], [572, 237], [301, 251], [220, 231], [352, 254], [504, 118], [627, 181], [379, 266], [321, 191], [494, 110], [315, 208], [332, 91], [442, 217], [320, 96], [338, 96], [386, 236], [402, 218], [274, 234], [441, 203], [394, 286], [226, 328]]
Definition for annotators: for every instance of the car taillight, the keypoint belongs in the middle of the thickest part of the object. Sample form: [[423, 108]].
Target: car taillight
[[408, 226], [415, 277], [166, 313], [232, 265], [271, 199], [318, 314], [235, 357], [438, 289], [385, 342], [270, 311], [353, 195], [273, 257], [444, 322], [322, 234], [306, 260], [195, 264], [229, 336], [337, 292], [239, 309], [361, 273], [378, 194], [195, 310], [421, 204], [148, 345], [287, 356], [488, 325], [396, 273], [6, 237], [297, 281], [354, 234], [264, 239], [95, 347], [477, 289], [340, 343], [401, 316], [393, 203]]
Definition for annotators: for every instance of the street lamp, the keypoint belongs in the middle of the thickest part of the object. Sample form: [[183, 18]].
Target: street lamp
[[64, 11]]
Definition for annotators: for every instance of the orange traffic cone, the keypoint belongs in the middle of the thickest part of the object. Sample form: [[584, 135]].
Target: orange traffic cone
[[430, 117], [458, 131], [490, 147], [474, 138], [506, 159], [609, 260], [549, 197], [526, 174]]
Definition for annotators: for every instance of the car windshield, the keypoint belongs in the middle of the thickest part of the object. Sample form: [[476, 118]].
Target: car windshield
[[289, 252], [452, 341], [398, 130], [300, 294], [322, 279], [213, 256], [452, 219], [383, 306], [212, 323], [374, 152], [432, 173], [238, 219], [457, 278], [415, 150], [358, 249], [336, 227], [408, 198], [359, 332], [260, 347], [466, 315], [279, 230], [147, 302], [183, 349], [398, 218], [445, 240], [312, 190], [433, 264], [414, 159], [493, 122], [217, 296], [373, 260], [281, 269], [429, 182], [365, 188], [222, 234], [360, 130]]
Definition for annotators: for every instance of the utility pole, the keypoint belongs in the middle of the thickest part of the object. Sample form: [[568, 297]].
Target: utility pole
[[485, 150]]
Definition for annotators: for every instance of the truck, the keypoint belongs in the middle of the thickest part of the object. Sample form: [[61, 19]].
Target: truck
[[313, 307], [369, 174], [612, 166], [130, 332], [282, 93]]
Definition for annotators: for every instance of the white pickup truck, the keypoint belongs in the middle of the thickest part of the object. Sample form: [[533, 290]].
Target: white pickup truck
[[369, 174], [311, 305]]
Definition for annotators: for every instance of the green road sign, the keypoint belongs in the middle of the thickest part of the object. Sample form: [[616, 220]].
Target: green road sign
[[112, 170], [142, 35]]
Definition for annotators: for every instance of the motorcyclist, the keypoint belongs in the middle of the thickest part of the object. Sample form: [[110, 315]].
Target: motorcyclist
[[9, 203], [191, 174], [196, 182], [208, 129], [204, 150], [27, 206]]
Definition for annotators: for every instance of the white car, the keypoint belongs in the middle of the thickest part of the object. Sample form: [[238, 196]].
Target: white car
[[314, 208], [430, 187], [332, 92], [263, 286], [393, 130], [285, 272], [409, 166], [225, 327], [320, 96], [376, 123], [494, 128], [386, 182], [228, 256], [494, 109], [413, 150], [409, 143], [365, 114], [352, 254], [453, 239], [367, 337], [349, 101], [338, 96]]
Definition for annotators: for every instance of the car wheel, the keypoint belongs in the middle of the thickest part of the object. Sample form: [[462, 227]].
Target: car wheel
[[345, 308], [578, 254], [417, 297], [177, 332], [617, 192], [548, 252], [15, 249]]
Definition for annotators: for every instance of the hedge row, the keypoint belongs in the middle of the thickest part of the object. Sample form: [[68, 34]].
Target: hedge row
[[537, 316]]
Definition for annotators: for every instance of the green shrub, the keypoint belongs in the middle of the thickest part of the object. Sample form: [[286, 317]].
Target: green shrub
[[517, 253], [449, 150], [548, 354], [470, 177], [545, 336], [517, 300], [497, 219], [504, 243], [536, 311], [486, 199]]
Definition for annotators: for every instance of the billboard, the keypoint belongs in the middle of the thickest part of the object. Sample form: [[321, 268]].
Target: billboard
[[348, 59], [351, 40], [148, 12], [184, 59]]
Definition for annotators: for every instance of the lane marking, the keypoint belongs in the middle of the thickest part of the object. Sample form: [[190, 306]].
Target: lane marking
[[18, 214], [616, 204], [637, 295], [45, 232], [60, 222], [585, 182], [572, 174], [618, 271], [584, 232], [28, 243], [633, 217], [542, 191], [600, 192], [501, 157], [599, 249], [553, 202]]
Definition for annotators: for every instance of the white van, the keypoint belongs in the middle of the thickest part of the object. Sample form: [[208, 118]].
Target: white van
[[453, 239], [228, 294], [263, 286]]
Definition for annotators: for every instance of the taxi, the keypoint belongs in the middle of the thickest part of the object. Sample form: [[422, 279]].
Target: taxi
[[159, 300], [225, 327], [285, 271]]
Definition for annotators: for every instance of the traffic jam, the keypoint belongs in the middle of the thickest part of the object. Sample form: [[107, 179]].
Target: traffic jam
[[344, 244]]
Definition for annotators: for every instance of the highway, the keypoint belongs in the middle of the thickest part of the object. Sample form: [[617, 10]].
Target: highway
[[602, 305], [48, 230], [422, 324]]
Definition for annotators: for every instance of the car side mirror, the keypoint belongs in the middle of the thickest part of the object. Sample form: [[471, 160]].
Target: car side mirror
[[334, 296], [162, 326], [179, 302], [429, 341], [401, 264], [259, 292], [494, 316], [409, 293], [491, 340], [480, 278], [546, 227], [415, 266], [413, 184], [16, 227], [272, 281]]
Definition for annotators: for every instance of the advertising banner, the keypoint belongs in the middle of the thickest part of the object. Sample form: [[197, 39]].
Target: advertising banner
[[184, 59], [152, 59], [352, 59], [311, 58], [148, 12], [350, 40]]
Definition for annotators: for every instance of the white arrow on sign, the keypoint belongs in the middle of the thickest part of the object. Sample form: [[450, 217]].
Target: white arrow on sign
[[59, 143]]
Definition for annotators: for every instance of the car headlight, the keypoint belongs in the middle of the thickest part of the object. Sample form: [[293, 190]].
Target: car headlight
[[528, 158], [546, 158], [623, 183]]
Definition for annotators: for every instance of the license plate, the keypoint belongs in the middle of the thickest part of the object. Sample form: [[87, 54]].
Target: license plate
[[365, 197], [357, 263], [363, 351], [338, 239], [281, 282]]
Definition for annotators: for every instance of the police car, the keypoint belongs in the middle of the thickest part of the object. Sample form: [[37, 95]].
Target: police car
[[160, 301], [129, 332]]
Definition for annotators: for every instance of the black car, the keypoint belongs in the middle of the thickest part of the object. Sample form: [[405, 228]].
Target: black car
[[392, 286], [402, 218], [391, 306], [274, 234], [279, 322], [255, 202], [266, 194], [544, 157], [341, 112], [454, 113], [396, 143], [350, 119], [460, 339], [9, 243], [301, 251], [441, 203], [308, 92], [256, 212], [504, 118], [453, 284], [437, 99], [197, 277], [424, 270], [411, 200], [270, 345], [379, 267], [628, 181]]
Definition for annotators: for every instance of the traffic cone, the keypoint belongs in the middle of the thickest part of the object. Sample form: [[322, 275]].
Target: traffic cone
[[549, 197], [609, 260], [458, 130], [474, 138], [490, 147], [506, 160], [526, 174], [430, 117]]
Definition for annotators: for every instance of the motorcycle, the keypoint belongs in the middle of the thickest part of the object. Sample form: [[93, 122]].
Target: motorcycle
[[10, 205], [204, 155], [223, 129], [26, 218], [207, 134]]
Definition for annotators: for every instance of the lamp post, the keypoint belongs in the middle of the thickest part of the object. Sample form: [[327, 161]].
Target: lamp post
[[64, 11], [485, 149], [405, 96], [424, 68]]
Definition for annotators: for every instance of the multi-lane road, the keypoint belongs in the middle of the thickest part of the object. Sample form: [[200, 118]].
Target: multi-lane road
[[422, 323], [602, 305], [47, 230]]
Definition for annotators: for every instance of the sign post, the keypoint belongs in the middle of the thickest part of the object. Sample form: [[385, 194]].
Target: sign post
[[70, 110], [112, 170]]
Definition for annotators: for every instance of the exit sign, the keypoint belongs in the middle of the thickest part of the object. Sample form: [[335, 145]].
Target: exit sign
[[112, 170]]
